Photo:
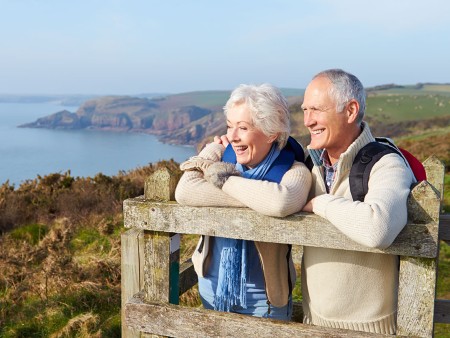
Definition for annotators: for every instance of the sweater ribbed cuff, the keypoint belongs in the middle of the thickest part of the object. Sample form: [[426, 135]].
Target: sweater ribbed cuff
[[320, 204]]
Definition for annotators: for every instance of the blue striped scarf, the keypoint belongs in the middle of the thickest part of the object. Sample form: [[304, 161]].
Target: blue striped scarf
[[233, 269]]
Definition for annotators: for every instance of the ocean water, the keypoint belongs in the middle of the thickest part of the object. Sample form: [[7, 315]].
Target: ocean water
[[27, 152]]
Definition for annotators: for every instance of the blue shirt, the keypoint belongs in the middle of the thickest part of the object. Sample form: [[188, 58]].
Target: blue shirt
[[330, 170]]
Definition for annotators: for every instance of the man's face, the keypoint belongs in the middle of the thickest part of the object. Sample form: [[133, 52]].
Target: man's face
[[329, 128]]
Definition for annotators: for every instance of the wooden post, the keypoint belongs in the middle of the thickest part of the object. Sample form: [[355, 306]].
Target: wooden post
[[162, 267], [434, 168], [162, 249], [160, 186], [417, 276], [132, 272]]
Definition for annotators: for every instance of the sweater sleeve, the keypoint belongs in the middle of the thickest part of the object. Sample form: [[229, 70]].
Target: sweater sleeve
[[269, 198], [378, 220], [194, 190]]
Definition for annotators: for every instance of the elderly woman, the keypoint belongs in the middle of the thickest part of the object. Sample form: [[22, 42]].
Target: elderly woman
[[256, 165]]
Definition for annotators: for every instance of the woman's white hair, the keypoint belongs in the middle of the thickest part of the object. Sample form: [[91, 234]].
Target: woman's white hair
[[268, 107]]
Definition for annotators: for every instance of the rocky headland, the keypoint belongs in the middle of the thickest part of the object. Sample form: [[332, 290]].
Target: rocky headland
[[169, 118]]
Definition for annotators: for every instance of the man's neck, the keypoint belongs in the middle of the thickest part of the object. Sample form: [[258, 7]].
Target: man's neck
[[335, 154]]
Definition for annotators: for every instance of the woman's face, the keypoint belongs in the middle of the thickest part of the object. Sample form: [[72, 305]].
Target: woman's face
[[250, 144]]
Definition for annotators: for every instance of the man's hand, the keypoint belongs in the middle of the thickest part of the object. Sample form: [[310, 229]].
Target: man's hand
[[308, 206]]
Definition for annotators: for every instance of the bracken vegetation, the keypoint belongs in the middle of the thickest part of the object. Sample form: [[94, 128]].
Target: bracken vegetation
[[60, 253]]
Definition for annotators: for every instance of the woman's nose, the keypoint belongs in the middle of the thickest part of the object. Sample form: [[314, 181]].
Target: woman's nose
[[232, 134]]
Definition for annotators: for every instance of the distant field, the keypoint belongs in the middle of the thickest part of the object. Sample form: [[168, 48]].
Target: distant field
[[392, 105], [425, 89], [401, 107]]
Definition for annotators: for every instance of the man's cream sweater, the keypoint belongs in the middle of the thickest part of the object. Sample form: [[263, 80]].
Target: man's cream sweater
[[349, 289]]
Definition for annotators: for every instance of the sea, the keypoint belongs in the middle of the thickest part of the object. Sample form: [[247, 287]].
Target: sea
[[28, 152]]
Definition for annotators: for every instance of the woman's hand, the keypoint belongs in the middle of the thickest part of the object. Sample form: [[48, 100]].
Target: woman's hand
[[223, 140], [196, 163], [219, 172]]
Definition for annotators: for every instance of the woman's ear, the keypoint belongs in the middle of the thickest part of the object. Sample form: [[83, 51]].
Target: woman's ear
[[272, 138]]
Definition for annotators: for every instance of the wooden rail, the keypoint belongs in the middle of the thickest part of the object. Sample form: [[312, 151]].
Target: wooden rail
[[151, 278]]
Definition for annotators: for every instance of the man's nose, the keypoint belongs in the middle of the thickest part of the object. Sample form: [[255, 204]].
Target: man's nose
[[307, 119]]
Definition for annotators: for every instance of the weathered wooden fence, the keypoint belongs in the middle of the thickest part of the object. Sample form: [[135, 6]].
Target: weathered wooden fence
[[152, 278]]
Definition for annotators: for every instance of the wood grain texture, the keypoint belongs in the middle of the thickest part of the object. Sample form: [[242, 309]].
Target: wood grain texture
[[435, 170], [158, 282], [179, 321], [160, 186], [417, 288], [242, 223]]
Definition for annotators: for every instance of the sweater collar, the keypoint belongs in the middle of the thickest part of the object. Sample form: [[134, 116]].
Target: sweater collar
[[347, 157]]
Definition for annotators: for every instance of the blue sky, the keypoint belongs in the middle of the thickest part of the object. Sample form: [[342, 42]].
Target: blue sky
[[144, 46]]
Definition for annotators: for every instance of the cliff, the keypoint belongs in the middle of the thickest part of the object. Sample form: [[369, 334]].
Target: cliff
[[193, 118], [125, 113]]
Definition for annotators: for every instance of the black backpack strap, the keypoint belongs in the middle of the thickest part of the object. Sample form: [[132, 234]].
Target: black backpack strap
[[362, 165], [309, 163]]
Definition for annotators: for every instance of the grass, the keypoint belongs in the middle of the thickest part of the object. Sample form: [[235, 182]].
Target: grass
[[32, 233], [397, 107]]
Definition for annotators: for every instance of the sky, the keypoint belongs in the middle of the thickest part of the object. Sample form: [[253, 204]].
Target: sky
[[126, 47]]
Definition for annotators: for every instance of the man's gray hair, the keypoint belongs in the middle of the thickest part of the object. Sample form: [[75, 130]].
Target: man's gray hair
[[268, 107], [345, 87]]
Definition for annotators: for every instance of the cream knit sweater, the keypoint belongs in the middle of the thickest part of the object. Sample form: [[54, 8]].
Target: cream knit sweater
[[268, 198], [349, 289]]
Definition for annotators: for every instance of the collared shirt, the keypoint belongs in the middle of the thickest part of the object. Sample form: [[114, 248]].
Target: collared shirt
[[330, 170]]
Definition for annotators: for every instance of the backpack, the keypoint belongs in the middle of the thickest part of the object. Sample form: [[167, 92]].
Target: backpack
[[366, 159]]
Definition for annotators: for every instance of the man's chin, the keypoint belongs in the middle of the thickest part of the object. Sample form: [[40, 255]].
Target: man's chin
[[314, 146]]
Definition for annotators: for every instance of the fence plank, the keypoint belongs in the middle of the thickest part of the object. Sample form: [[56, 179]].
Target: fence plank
[[243, 223], [132, 277], [180, 321]]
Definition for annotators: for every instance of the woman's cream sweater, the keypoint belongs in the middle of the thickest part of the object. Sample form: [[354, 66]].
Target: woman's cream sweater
[[272, 199]]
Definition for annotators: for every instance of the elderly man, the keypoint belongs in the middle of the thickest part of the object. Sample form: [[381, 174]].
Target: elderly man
[[349, 289]]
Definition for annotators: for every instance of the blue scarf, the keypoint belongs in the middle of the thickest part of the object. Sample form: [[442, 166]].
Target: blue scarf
[[233, 270]]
